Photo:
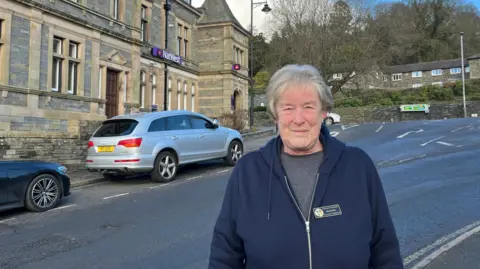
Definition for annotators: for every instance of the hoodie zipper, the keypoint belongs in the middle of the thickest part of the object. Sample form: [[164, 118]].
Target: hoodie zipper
[[307, 220]]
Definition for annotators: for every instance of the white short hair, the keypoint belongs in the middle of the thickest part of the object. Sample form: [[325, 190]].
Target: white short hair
[[292, 75]]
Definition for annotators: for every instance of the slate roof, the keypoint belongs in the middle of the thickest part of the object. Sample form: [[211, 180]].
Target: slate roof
[[216, 11], [406, 68]]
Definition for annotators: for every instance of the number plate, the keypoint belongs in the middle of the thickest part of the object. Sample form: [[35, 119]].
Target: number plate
[[105, 148]]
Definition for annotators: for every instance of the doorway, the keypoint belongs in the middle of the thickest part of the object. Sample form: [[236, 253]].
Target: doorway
[[111, 106]]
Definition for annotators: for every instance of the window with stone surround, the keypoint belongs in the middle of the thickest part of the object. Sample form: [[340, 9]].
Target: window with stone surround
[[115, 9], [193, 97], [154, 87], [237, 55], [143, 83], [416, 74], [179, 94], [144, 24], [73, 63], [183, 39], [169, 93], [179, 38], [397, 77], [57, 63], [185, 42], [185, 92], [437, 72], [456, 70]]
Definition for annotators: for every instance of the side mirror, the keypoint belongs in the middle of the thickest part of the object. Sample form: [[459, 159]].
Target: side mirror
[[215, 122], [210, 125]]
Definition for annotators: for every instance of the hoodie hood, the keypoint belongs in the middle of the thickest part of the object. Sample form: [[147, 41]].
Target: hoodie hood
[[332, 149]]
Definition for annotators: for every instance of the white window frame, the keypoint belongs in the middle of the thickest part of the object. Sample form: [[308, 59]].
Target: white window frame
[[417, 85], [435, 73], [100, 78], [438, 83], [458, 69], [185, 91], [417, 74], [467, 69], [397, 77], [143, 76]]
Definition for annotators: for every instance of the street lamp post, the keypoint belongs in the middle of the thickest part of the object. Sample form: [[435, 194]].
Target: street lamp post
[[265, 9], [463, 77], [167, 8]]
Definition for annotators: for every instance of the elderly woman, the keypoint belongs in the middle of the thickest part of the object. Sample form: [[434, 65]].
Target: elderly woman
[[305, 200]]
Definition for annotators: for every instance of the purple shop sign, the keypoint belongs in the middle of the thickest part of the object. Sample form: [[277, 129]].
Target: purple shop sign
[[163, 54]]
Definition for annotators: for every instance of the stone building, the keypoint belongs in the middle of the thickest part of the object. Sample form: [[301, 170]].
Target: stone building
[[412, 75], [65, 65]]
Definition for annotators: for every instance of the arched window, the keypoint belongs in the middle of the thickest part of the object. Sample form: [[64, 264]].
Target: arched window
[[142, 88]]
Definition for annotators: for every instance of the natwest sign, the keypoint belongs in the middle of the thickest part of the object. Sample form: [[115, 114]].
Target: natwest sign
[[163, 54]]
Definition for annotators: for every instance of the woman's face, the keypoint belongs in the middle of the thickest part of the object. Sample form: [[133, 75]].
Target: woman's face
[[299, 119]]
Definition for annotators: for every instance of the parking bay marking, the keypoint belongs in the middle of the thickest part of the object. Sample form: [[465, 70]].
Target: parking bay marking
[[428, 142], [116, 195], [63, 207], [379, 128], [445, 144], [7, 220]]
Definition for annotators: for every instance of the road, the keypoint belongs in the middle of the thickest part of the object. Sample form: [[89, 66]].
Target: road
[[429, 171]]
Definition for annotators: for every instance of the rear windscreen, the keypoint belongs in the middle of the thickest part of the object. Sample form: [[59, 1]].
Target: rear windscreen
[[116, 128]]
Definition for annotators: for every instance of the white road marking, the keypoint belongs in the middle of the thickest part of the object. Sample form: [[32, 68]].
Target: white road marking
[[437, 243], [116, 195], [63, 207], [7, 220], [445, 143], [379, 128], [158, 186], [334, 134], [446, 247], [192, 178], [428, 142], [407, 133], [223, 171], [345, 128], [459, 128]]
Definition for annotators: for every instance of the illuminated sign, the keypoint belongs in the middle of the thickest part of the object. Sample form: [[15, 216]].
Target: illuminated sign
[[236, 67], [163, 54]]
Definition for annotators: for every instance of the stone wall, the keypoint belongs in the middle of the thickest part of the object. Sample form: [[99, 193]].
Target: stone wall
[[393, 114], [388, 114], [62, 141]]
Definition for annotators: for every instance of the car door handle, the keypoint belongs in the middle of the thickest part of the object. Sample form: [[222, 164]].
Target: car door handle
[[174, 137], [201, 136]]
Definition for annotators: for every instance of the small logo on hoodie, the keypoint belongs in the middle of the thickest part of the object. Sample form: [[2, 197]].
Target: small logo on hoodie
[[327, 211]]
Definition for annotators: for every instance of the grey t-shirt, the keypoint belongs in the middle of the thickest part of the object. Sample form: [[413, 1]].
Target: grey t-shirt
[[301, 173]]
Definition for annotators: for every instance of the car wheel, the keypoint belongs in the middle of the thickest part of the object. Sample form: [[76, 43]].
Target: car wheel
[[166, 166], [235, 152], [43, 193], [329, 121]]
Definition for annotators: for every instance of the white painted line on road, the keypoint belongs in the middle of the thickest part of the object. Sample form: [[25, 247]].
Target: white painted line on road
[[445, 144], [459, 128], [223, 171], [159, 186], [345, 128], [379, 128], [446, 247], [407, 133], [192, 178], [437, 243], [7, 220], [63, 207], [428, 142], [116, 195]]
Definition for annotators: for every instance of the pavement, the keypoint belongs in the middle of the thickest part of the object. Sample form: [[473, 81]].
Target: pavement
[[431, 179]]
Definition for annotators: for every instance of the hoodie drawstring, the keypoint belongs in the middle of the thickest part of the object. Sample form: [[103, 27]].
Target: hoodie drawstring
[[270, 189]]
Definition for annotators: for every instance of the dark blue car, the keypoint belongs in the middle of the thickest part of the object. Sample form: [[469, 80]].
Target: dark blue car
[[36, 185]]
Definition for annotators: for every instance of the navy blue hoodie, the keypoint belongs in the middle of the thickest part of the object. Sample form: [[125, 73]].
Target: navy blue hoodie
[[261, 227]]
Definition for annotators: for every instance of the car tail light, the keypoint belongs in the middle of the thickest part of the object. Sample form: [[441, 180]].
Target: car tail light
[[131, 143], [90, 144]]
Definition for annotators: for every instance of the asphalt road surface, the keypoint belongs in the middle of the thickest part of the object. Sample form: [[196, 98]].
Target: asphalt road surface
[[430, 171]]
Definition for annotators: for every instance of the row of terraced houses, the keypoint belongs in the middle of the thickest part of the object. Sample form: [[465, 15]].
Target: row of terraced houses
[[64, 60]]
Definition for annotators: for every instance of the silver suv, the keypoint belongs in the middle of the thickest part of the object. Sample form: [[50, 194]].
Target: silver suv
[[158, 142]]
